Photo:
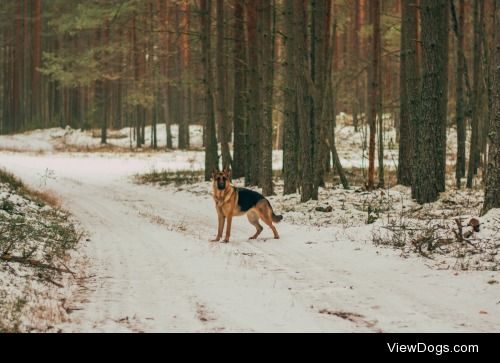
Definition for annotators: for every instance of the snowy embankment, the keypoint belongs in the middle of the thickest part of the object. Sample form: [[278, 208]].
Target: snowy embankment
[[35, 240], [351, 144], [154, 269]]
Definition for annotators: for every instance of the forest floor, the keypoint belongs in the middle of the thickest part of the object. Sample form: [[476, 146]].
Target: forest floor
[[351, 262]]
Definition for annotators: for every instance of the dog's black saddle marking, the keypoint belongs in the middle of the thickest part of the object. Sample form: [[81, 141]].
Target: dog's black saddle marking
[[248, 198]]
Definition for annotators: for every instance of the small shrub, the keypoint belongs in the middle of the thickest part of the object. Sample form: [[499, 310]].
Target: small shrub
[[11, 180], [7, 205]]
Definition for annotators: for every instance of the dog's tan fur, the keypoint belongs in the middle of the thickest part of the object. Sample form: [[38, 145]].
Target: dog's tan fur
[[227, 207]]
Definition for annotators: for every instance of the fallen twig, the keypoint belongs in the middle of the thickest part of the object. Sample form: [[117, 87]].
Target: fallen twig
[[48, 279], [32, 262]]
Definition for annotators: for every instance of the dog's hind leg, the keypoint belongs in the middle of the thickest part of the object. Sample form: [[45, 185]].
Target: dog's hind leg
[[253, 218], [266, 214], [267, 218]]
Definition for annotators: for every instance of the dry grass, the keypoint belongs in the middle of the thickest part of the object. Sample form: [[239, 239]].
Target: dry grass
[[355, 176], [107, 148], [358, 176], [46, 197], [41, 198], [10, 179], [111, 134], [171, 177], [112, 149], [18, 150], [91, 149]]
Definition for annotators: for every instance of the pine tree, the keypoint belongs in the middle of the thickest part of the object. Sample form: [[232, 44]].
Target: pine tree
[[221, 94], [407, 87], [254, 105], [492, 190], [211, 159], [239, 102], [430, 129], [290, 127], [374, 89], [266, 64]]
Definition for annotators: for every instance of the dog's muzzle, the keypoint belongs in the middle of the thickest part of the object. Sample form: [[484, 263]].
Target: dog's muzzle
[[221, 186]]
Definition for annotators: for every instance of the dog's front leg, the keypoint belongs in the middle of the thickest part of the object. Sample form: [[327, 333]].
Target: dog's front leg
[[220, 227], [228, 228]]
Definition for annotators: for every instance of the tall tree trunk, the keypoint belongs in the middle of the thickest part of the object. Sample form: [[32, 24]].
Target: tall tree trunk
[[221, 95], [486, 86], [37, 61], [329, 100], [25, 44], [173, 70], [429, 166], [136, 66], [211, 158], [164, 115], [444, 31], [378, 73], [474, 153], [492, 190], [373, 90], [18, 101], [460, 99], [103, 98], [414, 60], [290, 127], [302, 89], [239, 118], [266, 63], [320, 67], [154, 72], [254, 96], [5, 89], [183, 63], [407, 79], [355, 59]]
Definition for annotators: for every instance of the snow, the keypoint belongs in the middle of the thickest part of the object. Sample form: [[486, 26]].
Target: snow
[[42, 303], [351, 145], [28, 303], [154, 269], [389, 211], [63, 139]]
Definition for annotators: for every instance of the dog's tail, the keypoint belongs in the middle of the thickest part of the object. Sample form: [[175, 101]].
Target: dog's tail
[[276, 218]]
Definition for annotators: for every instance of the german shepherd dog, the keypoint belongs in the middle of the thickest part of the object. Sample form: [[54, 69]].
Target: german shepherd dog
[[232, 202]]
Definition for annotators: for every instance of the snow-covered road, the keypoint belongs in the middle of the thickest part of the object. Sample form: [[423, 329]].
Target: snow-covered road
[[154, 269]]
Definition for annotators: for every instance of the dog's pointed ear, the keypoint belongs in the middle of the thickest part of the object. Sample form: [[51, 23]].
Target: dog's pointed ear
[[227, 173], [214, 173]]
